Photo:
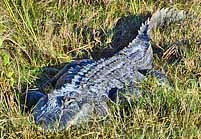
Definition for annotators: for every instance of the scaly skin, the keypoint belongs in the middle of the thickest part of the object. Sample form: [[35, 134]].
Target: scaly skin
[[90, 87]]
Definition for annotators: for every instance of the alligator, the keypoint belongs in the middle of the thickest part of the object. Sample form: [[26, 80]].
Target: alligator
[[84, 87]]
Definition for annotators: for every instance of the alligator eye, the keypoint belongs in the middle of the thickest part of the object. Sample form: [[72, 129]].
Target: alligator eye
[[68, 100], [73, 94]]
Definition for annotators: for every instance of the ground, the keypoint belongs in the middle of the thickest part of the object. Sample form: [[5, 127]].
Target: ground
[[36, 34]]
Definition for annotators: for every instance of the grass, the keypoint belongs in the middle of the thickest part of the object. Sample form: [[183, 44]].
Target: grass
[[35, 34]]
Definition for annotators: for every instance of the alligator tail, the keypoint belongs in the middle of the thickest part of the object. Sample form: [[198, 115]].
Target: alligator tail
[[141, 44], [165, 16]]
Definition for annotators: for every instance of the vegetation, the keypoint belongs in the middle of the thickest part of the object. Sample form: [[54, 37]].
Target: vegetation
[[39, 33]]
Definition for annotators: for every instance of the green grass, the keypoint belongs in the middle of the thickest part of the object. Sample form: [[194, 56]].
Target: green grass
[[34, 34]]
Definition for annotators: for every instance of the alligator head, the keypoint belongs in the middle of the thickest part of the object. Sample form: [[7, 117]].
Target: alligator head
[[59, 112]]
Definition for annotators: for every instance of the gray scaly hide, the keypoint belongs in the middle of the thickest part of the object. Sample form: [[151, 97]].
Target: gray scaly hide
[[90, 87]]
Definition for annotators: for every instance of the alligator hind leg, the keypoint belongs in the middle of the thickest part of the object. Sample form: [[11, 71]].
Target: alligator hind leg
[[132, 90], [161, 78]]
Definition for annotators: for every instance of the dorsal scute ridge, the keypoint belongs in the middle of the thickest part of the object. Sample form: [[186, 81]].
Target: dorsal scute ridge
[[81, 74], [141, 32]]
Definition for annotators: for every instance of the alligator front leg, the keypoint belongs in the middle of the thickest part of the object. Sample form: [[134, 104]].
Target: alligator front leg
[[132, 90], [30, 99]]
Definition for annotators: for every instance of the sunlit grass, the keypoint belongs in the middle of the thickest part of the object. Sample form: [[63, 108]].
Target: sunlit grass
[[34, 34]]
